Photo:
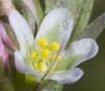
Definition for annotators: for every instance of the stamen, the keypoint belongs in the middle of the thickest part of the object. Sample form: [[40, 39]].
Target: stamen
[[45, 55], [54, 46], [42, 42], [41, 66], [34, 54], [45, 52]]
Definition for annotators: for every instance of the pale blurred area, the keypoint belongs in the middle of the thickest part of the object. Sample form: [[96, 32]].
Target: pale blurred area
[[94, 77]]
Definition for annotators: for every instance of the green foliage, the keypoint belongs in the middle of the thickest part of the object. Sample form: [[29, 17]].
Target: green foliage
[[95, 28], [39, 10], [83, 18]]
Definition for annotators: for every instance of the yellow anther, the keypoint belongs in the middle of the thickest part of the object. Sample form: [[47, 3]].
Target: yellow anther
[[45, 52], [41, 66], [54, 46], [42, 42], [34, 54]]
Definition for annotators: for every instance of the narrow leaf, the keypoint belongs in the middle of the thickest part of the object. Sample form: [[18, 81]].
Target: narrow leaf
[[94, 29], [83, 18]]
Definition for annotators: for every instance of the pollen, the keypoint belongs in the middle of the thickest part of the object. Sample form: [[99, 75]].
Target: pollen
[[54, 46], [41, 67], [45, 52], [34, 54], [42, 42]]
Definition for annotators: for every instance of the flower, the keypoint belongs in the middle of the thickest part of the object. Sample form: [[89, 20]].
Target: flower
[[46, 57], [4, 39]]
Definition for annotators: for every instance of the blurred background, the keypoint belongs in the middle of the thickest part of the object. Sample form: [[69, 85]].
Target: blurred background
[[94, 77]]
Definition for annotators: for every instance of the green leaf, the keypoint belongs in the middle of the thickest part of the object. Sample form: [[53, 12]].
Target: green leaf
[[95, 28], [39, 10], [83, 17]]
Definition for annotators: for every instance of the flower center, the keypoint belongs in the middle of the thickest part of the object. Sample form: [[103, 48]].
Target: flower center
[[43, 54]]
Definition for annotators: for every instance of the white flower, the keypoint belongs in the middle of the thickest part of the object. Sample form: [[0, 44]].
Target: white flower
[[46, 56]]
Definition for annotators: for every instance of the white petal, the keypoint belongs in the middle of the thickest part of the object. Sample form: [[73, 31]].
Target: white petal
[[20, 26], [22, 67], [85, 48], [57, 25], [68, 76]]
